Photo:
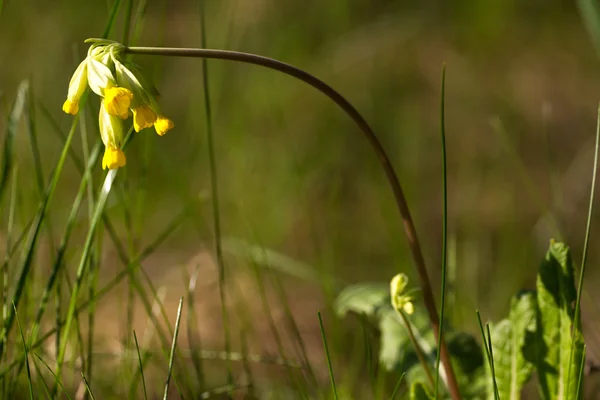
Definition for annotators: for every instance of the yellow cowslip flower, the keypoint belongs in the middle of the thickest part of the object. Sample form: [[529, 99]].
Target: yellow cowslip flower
[[143, 117], [111, 130], [144, 106], [102, 82], [117, 100], [77, 87], [400, 300], [163, 125], [113, 158]]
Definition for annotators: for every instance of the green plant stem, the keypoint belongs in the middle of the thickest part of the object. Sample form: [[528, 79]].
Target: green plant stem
[[588, 228], [327, 356], [214, 188], [350, 110], [444, 230], [418, 348]]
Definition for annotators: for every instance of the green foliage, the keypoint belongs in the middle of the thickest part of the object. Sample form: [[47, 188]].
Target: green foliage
[[558, 367], [512, 346], [418, 391], [396, 352], [536, 334], [16, 113]]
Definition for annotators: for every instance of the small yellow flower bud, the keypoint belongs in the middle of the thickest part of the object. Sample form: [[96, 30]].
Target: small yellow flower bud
[[143, 117], [163, 125], [77, 87], [113, 158], [117, 100], [408, 307], [400, 300]]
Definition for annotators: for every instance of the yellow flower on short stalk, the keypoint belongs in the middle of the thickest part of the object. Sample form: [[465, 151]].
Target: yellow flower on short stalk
[[117, 100], [113, 158], [144, 106], [163, 125], [77, 87], [400, 300], [111, 130], [143, 117]]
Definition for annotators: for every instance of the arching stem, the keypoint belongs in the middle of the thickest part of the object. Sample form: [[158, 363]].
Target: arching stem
[[409, 226]]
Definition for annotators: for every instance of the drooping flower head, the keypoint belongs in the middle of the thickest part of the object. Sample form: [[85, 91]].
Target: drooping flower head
[[111, 131], [125, 92]]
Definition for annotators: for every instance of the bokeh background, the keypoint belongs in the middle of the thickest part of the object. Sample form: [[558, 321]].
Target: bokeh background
[[296, 176]]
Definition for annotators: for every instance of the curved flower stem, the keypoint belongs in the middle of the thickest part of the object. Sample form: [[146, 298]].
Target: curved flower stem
[[409, 226], [417, 346]]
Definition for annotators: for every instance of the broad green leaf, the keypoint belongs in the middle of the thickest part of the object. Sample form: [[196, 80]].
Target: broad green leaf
[[558, 367], [468, 364], [511, 344], [363, 298], [418, 391], [396, 350]]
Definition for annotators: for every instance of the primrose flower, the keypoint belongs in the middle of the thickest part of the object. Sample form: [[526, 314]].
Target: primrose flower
[[401, 300], [111, 130], [124, 91], [163, 125], [77, 87]]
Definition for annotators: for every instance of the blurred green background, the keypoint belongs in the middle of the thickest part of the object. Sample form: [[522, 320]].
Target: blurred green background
[[296, 176]]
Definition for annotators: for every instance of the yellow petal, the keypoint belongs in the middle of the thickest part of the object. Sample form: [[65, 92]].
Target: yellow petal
[[126, 115], [70, 107], [143, 117], [117, 100], [113, 158], [163, 125]]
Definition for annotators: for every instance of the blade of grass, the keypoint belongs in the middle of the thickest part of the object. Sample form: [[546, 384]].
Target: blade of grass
[[194, 342], [293, 328], [214, 187], [444, 231], [29, 381], [12, 126], [62, 248], [397, 387], [56, 380], [173, 347], [81, 270], [147, 340], [41, 378], [9, 233], [137, 348], [586, 242], [107, 288], [34, 234], [87, 386], [111, 18], [581, 371], [488, 352], [328, 358], [95, 253]]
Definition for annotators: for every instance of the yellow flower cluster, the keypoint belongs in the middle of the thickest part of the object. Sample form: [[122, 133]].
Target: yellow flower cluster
[[123, 95]]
